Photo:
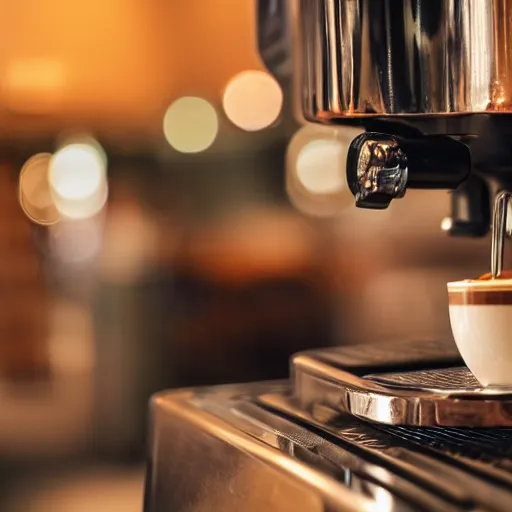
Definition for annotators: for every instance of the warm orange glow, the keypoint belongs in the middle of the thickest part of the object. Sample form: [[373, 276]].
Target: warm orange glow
[[131, 243], [34, 191], [253, 100], [34, 86], [191, 124], [257, 243], [121, 60]]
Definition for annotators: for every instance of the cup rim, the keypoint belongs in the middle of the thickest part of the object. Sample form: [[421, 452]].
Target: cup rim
[[498, 285]]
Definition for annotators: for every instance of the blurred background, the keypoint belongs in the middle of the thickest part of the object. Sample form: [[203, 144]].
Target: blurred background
[[168, 222]]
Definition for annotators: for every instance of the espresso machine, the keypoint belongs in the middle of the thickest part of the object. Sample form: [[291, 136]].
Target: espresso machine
[[381, 427]]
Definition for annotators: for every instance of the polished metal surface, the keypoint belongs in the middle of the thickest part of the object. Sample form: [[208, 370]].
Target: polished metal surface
[[471, 468], [442, 397], [362, 359], [275, 37], [353, 362], [254, 447], [499, 232], [381, 169], [377, 484], [205, 456], [405, 57], [447, 378], [251, 448]]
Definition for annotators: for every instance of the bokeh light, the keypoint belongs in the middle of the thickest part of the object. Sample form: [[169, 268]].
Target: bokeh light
[[446, 223], [253, 100], [321, 165], [191, 124], [78, 180], [76, 171], [131, 243], [34, 191], [82, 139], [316, 169], [77, 241]]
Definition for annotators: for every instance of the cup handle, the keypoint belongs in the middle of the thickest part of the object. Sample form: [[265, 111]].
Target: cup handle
[[499, 227]]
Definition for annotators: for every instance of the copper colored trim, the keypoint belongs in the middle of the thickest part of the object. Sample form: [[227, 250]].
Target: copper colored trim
[[481, 297]]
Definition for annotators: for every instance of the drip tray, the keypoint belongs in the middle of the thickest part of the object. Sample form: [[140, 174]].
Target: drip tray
[[435, 391]]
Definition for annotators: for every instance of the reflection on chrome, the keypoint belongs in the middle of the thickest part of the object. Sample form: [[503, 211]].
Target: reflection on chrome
[[380, 57], [381, 169]]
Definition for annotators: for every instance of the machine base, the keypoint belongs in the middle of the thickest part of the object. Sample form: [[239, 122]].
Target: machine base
[[264, 447]]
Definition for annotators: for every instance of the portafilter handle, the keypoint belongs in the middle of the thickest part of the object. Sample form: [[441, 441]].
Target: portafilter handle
[[380, 167]]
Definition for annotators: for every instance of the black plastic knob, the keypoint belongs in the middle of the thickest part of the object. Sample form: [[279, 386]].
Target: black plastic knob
[[380, 167]]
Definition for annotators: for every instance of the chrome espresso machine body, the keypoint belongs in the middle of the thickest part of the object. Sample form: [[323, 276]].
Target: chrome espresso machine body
[[387, 427]]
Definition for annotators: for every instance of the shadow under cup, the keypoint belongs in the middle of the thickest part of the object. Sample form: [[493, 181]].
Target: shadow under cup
[[481, 321]]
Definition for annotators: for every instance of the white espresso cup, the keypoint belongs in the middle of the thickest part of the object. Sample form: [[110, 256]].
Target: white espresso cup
[[481, 320]]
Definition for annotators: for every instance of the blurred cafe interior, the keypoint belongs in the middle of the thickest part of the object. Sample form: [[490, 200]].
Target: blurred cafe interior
[[169, 222]]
